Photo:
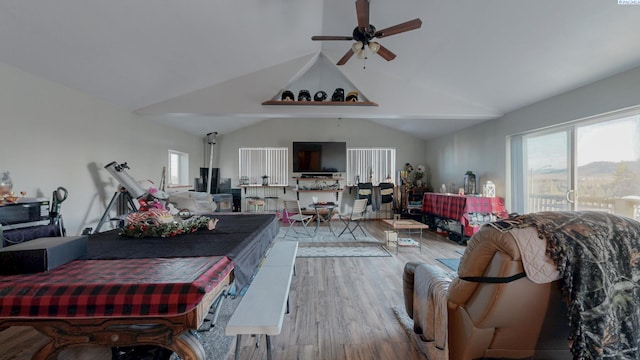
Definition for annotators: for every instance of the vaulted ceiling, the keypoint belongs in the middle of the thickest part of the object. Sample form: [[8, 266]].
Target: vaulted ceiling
[[207, 66]]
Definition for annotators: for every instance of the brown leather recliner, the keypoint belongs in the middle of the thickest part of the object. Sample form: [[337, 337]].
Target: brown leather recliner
[[517, 319]]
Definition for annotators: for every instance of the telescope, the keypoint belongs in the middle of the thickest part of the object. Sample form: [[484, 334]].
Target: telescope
[[130, 189], [118, 171]]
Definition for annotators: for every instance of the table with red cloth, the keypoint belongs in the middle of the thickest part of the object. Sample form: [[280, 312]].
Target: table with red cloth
[[121, 302], [462, 207], [128, 292]]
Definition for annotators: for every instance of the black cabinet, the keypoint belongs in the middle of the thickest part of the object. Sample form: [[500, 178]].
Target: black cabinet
[[237, 199]]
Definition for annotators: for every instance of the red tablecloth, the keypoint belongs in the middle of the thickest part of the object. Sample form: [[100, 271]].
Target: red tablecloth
[[458, 207], [113, 288]]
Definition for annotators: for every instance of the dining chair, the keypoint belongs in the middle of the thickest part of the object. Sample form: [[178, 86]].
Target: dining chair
[[386, 197], [365, 191], [294, 215], [354, 217]]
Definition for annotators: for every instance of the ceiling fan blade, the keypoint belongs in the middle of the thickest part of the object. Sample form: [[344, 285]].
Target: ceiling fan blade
[[345, 58], [362, 11], [320, 37], [400, 28], [386, 53]]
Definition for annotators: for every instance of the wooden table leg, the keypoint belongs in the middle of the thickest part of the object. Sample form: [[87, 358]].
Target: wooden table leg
[[186, 345], [48, 352]]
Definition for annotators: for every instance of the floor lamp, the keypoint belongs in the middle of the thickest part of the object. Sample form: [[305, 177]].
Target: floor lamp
[[211, 140]]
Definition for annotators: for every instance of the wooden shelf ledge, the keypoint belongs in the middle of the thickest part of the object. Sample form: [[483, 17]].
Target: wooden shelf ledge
[[320, 103], [319, 190]]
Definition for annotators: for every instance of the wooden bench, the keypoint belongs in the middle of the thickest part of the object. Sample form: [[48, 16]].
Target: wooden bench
[[261, 310]]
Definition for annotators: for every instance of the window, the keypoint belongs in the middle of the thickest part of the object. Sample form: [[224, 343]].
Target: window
[[258, 162], [178, 168], [374, 165], [587, 165]]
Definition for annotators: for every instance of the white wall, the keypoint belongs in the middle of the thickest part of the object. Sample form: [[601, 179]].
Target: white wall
[[482, 148], [283, 132], [54, 136]]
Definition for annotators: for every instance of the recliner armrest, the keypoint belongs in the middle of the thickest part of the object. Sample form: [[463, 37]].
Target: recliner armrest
[[479, 254], [430, 312]]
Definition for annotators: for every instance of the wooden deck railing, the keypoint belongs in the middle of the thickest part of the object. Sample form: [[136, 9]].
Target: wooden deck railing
[[626, 206]]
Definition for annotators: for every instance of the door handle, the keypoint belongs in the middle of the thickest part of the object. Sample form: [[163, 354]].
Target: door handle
[[568, 195]]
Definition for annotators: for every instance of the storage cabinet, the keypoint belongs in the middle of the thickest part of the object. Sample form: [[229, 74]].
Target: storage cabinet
[[411, 199]]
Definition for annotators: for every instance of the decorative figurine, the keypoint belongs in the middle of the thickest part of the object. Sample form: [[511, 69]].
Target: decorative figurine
[[6, 185]]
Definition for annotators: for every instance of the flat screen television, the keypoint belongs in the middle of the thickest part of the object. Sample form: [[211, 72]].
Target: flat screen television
[[320, 157]]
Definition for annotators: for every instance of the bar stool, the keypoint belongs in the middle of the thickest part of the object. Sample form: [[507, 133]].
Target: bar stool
[[254, 204], [253, 200]]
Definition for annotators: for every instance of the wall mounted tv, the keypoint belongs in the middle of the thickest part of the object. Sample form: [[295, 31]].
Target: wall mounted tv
[[320, 157]]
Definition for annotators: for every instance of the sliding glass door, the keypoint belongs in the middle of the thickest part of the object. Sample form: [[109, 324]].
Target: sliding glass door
[[548, 178], [608, 166], [591, 165]]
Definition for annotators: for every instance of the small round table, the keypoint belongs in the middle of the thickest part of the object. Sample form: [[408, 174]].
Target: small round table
[[323, 216]]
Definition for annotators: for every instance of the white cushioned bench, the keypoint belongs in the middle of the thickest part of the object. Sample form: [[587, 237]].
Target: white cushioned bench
[[261, 310]]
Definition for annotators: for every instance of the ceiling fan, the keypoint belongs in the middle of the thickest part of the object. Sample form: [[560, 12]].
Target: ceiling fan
[[364, 33]]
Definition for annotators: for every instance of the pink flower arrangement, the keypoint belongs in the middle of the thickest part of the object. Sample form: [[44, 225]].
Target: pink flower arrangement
[[153, 198], [149, 203]]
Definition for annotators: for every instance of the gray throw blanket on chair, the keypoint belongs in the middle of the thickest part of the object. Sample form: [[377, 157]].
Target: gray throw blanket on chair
[[598, 256]]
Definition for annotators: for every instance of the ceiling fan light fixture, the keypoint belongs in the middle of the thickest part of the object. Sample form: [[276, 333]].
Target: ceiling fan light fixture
[[365, 32]]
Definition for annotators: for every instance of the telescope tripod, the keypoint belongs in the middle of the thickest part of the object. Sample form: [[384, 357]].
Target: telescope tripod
[[125, 206]]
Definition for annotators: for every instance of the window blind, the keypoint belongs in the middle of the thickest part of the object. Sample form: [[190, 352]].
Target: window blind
[[260, 161], [371, 164]]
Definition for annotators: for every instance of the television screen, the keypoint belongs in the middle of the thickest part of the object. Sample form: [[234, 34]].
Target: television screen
[[319, 156]]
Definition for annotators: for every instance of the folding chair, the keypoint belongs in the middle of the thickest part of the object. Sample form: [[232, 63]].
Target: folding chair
[[294, 215], [357, 214]]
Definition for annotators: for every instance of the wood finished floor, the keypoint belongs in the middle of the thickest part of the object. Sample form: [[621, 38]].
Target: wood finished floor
[[340, 310]]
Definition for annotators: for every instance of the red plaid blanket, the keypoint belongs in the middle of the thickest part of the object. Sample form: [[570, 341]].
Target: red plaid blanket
[[113, 288], [458, 207]]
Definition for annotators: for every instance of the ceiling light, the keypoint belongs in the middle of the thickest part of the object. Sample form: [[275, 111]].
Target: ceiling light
[[374, 47], [358, 49], [357, 46]]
